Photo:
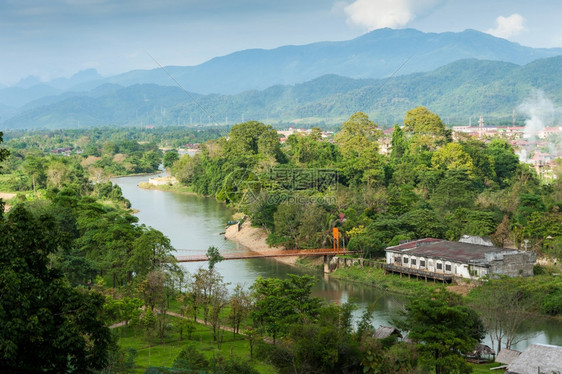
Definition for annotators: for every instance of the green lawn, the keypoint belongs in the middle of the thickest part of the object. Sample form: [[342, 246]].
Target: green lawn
[[485, 368], [163, 354], [390, 282]]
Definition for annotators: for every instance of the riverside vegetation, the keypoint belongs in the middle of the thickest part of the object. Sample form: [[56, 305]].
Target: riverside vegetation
[[75, 242]]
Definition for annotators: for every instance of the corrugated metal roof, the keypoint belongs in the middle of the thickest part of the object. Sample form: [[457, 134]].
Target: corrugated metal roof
[[444, 249]]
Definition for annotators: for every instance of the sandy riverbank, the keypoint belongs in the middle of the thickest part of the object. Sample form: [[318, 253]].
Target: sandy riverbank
[[253, 238], [176, 188]]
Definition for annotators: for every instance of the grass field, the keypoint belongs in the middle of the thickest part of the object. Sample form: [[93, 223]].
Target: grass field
[[392, 282], [485, 368], [163, 353]]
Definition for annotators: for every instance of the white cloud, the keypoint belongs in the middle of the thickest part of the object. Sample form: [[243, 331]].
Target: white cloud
[[375, 14], [507, 27]]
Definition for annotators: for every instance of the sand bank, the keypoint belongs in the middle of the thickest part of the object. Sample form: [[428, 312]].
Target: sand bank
[[253, 238]]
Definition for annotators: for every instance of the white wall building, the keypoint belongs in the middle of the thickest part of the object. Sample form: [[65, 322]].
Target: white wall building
[[445, 260]]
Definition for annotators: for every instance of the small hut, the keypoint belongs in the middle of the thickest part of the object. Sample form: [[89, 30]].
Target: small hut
[[481, 352], [537, 358], [506, 356], [385, 331]]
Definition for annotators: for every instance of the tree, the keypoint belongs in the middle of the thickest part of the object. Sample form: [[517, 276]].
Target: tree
[[205, 287], [424, 223], [214, 256], [35, 166], [218, 301], [191, 359], [324, 344], [239, 308], [251, 138], [502, 232], [358, 144], [505, 161], [185, 168], [452, 156], [170, 157], [503, 309], [444, 330], [45, 325], [286, 222], [426, 130], [454, 191], [151, 251], [399, 143], [279, 303], [3, 152]]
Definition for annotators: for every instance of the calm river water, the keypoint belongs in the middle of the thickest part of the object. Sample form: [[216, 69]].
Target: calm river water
[[193, 224]]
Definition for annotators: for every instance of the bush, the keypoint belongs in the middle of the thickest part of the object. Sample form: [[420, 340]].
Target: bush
[[233, 365], [552, 303], [191, 359], [539, 270]]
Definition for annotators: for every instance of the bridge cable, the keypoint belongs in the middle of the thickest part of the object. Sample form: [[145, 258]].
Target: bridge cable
[[184, 90]]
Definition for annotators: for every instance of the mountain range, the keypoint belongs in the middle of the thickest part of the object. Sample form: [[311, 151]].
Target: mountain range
[[383, 73]]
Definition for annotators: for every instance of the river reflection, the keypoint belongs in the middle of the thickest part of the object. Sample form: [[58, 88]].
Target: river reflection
[[193, 224]]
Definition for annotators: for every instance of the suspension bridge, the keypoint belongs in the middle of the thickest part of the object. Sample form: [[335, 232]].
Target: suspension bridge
[[267, 253]]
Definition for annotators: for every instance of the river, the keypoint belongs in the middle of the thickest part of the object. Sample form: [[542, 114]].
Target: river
[[193, 224]]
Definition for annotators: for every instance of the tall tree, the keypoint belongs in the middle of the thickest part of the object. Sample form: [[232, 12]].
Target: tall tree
[[444, 330], [504, 310], [426, 129], [358, 143], [45, 325], [399, 143]]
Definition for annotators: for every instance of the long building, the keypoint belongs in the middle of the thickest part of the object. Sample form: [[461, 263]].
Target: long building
[[445, 260]]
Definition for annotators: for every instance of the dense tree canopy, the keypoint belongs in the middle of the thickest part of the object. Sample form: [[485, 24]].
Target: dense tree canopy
[[444, 329], [46, 324]]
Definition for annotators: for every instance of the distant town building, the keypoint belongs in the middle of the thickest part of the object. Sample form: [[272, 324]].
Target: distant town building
[[65, 151], [284, 134], [536, 147], [445, 260]]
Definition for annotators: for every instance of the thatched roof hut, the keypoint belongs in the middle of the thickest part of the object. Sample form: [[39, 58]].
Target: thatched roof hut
[[482, 350], [506, 356], [537, 358], [386, 331]]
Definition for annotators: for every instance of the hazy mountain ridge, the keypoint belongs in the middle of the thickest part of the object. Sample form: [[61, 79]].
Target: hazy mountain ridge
[[456, 91], [375, 55]]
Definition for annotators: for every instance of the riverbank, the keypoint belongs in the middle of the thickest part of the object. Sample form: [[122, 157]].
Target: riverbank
[[254, 238], [176, 188]]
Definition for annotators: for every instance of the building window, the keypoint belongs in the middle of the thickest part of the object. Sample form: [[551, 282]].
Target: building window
[[422, 263], [405, 260], [413, 261], [447, 267], [439, 266]]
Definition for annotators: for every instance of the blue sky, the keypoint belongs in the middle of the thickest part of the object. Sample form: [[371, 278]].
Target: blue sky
[[54, 38]]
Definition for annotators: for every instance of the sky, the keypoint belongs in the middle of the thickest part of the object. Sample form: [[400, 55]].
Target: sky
[[57, 38]]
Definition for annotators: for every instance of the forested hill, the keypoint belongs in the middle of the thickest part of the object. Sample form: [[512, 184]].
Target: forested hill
[[374, 55], [458, 90]]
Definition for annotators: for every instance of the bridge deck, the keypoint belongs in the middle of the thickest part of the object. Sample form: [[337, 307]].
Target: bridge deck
[[268, 253]]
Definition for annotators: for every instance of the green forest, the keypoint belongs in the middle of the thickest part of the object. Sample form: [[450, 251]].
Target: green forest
[[427, 186], [85, 288]]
